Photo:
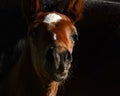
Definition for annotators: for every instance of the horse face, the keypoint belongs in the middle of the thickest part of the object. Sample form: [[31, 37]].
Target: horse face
[[54, 37]]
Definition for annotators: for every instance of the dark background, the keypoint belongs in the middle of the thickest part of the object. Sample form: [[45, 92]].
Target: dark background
[[12, 23], [96, 65], [97, 54]]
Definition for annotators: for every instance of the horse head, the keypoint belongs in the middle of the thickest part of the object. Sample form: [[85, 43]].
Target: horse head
[[52, 37]]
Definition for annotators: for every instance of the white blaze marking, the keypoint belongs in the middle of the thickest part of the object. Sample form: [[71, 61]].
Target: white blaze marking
[[55, 36], [50, 18]]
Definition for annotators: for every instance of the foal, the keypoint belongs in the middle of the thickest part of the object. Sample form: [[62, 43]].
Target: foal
[[46, 58]]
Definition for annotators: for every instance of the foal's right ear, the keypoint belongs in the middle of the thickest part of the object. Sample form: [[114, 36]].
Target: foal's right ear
[[30, 8]]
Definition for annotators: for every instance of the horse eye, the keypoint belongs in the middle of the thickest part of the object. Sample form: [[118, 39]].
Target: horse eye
[[75, 37]]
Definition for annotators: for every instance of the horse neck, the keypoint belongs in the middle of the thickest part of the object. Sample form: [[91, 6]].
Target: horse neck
[[32, 81]]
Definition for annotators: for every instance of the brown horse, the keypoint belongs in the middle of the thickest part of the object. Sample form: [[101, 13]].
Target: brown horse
[[46, 58]]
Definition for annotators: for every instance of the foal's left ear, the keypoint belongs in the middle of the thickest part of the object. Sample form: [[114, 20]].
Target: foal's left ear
[[74, 10], [30, 7]]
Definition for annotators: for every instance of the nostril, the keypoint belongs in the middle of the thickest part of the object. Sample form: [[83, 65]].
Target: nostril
[[68, 56], [60, 68]]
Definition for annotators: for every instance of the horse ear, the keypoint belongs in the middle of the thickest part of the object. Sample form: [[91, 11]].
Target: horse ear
[[30, 7], [71, 8], [74, 10]]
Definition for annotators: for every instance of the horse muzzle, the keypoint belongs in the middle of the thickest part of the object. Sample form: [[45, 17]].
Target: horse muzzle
[[58, 63]]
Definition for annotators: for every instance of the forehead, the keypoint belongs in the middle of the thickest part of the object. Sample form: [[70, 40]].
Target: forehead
[[58, 23], [52, 22], [56, 19], [52, 17]]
